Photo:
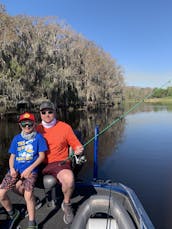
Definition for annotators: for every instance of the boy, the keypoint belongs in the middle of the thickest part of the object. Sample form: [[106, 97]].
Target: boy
[[27, 151]]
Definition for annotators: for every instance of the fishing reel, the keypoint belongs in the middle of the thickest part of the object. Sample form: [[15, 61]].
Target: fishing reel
[[76, 159], [79, 159]]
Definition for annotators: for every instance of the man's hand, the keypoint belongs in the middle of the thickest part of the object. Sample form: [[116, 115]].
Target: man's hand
[[79, 150]]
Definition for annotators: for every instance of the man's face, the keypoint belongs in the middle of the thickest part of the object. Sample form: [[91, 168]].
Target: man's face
[[47, 115]]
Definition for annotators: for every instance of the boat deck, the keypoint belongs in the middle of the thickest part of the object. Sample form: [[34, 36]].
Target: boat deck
[[47, 216]]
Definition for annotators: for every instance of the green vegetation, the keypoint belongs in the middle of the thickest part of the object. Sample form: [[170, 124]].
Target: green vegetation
[[44, 58], [156, 95], [159, 95], [162, 93], [136, 93]]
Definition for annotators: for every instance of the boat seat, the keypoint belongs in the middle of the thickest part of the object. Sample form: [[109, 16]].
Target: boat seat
[[102, 204], [49, 181], [94, 223], [52, 190]]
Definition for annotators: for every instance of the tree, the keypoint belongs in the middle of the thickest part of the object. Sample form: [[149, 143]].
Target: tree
[[45, 58]]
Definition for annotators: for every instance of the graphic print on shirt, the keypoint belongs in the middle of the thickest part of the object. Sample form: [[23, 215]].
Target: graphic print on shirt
[[25, 151]]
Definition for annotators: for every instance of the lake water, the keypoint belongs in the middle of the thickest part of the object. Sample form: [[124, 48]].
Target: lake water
[[136, 151]]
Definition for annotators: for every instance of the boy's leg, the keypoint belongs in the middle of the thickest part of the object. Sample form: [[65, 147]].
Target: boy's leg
[[19, 188], [5, 201], [29, 184], [8, 183], [30, 202]]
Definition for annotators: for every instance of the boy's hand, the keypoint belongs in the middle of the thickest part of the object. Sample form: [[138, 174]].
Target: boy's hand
[[26, 173], [13, 172]]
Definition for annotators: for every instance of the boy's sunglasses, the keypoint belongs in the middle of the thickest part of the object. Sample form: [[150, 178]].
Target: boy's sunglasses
[[29, 124], [46, 112]]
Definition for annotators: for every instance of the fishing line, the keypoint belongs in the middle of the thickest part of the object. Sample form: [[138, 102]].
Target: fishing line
[[119, 118]]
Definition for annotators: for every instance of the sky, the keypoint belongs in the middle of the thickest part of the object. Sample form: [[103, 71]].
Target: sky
[[137, 34]]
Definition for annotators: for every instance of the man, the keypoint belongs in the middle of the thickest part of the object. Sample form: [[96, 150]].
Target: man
[[26, 154], [59, 136]]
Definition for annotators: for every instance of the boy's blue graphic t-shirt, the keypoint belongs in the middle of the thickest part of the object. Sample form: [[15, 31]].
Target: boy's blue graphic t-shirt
[[27, 151]]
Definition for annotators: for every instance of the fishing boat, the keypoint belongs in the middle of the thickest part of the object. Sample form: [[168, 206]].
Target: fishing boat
[[101, 204], [98, 204]]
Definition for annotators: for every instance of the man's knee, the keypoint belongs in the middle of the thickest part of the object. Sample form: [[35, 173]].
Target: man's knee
[[67, 183], [66, 176]]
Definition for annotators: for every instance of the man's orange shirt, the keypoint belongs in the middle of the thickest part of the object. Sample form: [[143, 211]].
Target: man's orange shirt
[[59, 138]]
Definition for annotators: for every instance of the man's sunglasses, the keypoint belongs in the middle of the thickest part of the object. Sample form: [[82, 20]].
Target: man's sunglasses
[[46, 112], [29, 124]]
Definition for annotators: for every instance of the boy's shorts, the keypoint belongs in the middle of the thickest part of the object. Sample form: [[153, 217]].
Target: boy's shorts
[[9, 182], [55, 167]]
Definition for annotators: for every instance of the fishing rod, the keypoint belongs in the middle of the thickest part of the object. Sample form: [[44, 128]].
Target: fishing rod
[[117, 120]]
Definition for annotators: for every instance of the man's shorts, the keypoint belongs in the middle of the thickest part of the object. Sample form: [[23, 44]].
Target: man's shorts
[[9, 182], [55, 167]]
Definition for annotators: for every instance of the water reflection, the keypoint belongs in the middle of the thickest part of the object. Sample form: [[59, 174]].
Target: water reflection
[[85, 122], [147, 107], [7, 132], [135, 151]]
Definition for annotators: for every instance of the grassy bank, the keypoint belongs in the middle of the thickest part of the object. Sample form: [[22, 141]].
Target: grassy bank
[[165, 100]]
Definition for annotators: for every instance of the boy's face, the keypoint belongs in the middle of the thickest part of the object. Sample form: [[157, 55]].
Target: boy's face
[[27, 126]]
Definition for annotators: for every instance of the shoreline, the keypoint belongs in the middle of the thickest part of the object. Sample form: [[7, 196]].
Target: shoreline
[[165, 100]]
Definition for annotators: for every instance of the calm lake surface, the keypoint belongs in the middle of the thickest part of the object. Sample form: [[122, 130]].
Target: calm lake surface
[[136, 151]]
